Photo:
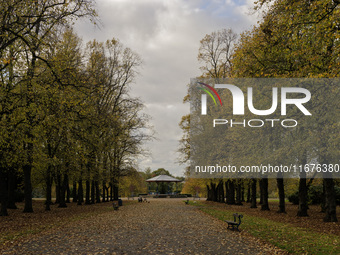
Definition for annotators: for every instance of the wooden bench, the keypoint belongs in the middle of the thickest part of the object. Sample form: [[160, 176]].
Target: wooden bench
[[234, 224], [115, 206], [143, 199]]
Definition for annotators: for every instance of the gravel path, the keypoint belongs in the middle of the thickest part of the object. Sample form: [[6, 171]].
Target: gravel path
[[162, 226]]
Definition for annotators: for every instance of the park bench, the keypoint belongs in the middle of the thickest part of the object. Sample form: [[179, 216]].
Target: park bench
[[234, 224], [186, 202], [143, 199], [115, 206]]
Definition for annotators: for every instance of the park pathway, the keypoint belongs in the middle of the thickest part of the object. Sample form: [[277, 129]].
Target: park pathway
[[162, 226]]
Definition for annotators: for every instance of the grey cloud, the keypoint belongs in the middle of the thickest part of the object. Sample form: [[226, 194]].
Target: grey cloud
[[166, 34]]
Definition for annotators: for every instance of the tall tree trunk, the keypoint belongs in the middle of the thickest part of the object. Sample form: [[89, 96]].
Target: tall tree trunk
[[303, 189], [48, 181], [28, 146], [231, 192], [330, 198], [11, 189], [27, 169], [323, 199], [213, 192], [220, 192], [253, 193], [62, 203], [58, 187], [97, 192], [265, 205], [74, 192], [104, 188], [303, 195], [115, 191], [107, 194], [80, 192], [93, 192], [226, 192], [3, 192], [261, 191], [222, 198], [281, 188], [67, 189], [239, 193], [249, 192], [209, 193], [87, 192], [111, 191]]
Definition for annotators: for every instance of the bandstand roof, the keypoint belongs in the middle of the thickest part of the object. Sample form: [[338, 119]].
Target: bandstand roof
[[163, 178]]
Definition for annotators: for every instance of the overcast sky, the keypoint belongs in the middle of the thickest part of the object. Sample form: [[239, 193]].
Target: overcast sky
[[166, 35]]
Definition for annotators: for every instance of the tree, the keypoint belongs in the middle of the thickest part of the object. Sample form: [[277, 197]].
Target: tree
[[184, 143], [111, 68], [195, 186], [60, 107], [28, 25], [297, 39], [253, 193], [216, 51], [70, 107]]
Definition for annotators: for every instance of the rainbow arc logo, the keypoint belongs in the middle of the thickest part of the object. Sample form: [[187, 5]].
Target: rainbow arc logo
[[209, 93], [204, 96]]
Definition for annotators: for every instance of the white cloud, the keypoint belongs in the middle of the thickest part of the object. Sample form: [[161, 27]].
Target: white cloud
[[166, 34]]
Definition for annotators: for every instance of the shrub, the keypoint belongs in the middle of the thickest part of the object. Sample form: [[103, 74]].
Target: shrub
[[294, 198], [315, 195]]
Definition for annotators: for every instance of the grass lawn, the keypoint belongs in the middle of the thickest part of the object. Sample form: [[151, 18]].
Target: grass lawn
[[284, 235]]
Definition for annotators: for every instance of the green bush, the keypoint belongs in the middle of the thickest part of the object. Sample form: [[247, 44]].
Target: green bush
[[315, 195], [294, 198]]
